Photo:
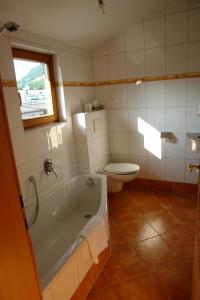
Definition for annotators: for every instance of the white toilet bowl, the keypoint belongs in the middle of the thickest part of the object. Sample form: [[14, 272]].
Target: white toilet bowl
[[118, 173]]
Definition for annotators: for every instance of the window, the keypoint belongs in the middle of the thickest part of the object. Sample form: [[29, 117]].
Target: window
[[36, 87]]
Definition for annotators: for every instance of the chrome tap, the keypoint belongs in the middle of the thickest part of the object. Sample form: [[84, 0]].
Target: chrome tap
[[49, 167]]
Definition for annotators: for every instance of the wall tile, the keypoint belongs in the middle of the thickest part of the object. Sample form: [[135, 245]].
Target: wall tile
[[155, 61], [83, 68], [117, 66], [19, 145], [176, 6], [176, 119], [194, 57], [193, 92], [135, 64], [176, 150], [156, 168], [193, 120], [156, 118], [117, 44], [72, 97], [154, 30], [102, 94], [136, 95], [67, 65], [176, 28], [100, 66], [26, 187], [118, 96], [175, 169], [120, 143], [155, 94], [120, 158], [12, 103], [194, 25], [134, 37], [86, 95], [176, 92], [119, 120], [41, 141], [134, 114], [36, 169], [82, 155], [176, 59], [137, 144]]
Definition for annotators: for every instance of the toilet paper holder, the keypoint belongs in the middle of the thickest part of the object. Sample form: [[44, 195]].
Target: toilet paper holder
[[169, 137]]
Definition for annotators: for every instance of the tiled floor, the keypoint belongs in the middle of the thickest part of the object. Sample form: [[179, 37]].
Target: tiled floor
[[152, 237]]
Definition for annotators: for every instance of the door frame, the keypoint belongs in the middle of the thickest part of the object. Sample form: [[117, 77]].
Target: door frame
[[18, 275]]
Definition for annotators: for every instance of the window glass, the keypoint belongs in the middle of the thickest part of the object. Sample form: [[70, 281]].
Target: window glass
[[34, 88]]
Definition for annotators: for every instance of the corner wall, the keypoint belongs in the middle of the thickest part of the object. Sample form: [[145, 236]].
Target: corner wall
[[168, 43]]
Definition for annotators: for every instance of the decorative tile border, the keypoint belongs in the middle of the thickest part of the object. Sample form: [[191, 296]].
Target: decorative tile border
[[12, 83], [133, 80]]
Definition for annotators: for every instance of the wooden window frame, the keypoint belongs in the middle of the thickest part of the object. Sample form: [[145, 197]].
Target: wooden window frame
[[47, 59]]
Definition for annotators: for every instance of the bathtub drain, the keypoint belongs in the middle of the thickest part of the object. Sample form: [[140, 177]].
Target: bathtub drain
[[88, 216]]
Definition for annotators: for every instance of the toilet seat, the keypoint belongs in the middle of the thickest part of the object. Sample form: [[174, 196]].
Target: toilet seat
[[122, 168]]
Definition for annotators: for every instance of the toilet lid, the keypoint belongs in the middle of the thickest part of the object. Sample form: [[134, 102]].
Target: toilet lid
[[122, 168]]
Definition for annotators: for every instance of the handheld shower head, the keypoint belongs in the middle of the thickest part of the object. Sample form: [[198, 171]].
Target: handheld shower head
[[10, 26]]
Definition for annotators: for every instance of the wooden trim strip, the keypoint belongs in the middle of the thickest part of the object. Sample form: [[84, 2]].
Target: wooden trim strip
[[9, 83], [12, 83], [133, 79], [77, 83]]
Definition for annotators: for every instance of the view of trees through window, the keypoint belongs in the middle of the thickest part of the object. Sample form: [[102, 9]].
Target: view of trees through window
[[34, 88]]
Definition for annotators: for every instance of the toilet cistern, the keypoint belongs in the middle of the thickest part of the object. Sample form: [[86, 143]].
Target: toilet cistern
[[49, 167]]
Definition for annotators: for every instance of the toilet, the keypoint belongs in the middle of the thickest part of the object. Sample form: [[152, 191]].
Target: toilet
[[118, 173]]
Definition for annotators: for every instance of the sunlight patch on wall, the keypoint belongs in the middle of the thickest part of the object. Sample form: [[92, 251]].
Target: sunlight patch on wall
[[152, 140]]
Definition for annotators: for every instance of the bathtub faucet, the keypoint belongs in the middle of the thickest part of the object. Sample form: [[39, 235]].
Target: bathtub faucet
[[49, 167], [90, 181]]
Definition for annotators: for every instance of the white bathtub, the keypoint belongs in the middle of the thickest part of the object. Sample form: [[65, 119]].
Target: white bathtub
[[62, 215]]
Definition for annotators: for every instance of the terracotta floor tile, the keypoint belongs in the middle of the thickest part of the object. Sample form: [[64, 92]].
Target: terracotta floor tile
[[150, 209], [123, 264], [144, 288], [137, 230], [118, 217], [100, 283], [155, 252], [163, 222], [157, 226], [117, 240], [174, 280], [182, 240], [103, 294]]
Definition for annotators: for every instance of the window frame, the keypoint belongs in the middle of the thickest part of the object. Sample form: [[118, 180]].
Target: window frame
[[47, 59]]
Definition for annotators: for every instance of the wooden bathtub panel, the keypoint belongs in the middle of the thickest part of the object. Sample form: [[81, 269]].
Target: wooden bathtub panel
[[48, 295], [64, 286]]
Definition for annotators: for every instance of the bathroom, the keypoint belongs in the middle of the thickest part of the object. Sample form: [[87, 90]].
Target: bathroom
[[100, 195]]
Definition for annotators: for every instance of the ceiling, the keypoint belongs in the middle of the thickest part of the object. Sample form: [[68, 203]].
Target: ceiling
[[79, 22]]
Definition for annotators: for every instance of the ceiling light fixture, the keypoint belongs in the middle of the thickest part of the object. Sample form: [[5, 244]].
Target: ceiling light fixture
[[102, 6]]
